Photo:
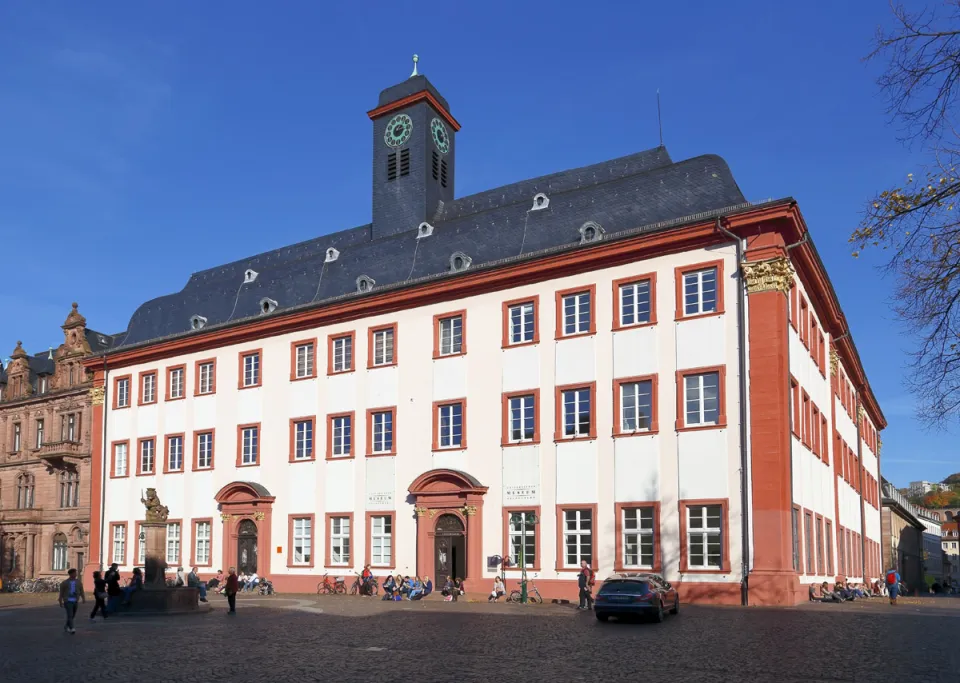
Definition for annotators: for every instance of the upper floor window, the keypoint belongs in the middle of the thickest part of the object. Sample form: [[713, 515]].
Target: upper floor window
[[206, 377], [341, 353], [148, 387], [576, 313], [521, 323], [303, 360], [303, 439], [120, 459], [25, 484], [521, 418], [39, 433], [250, 364], [576, 411], [702, 399], [700, 291], [204, 450], [17, 437], [382, 431], [69, 426], [69, 489], [175, 453], [634, 302], [635, 405], [249, 445], [42, 383], [383, 343], [340, 435], [147, 456], [449, 331], [123, 392], [449, 425], [175, 382]]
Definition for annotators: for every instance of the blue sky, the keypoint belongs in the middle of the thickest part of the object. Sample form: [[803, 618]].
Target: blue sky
[[144, 141]]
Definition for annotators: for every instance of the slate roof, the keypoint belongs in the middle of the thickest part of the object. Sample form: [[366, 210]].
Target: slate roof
[[622, 194]]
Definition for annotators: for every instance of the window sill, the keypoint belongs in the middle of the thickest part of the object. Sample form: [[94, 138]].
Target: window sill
[[565, 439], [202, 469], [121, 407], [698, 316], [575, 335], [340, 457], [333, 373], [249, 386], [634, 326], [619, 568], [519, 345], [173, 471], [174, 398], [145, 474], [514, 444], [441, 356], [519, 572], [291, 565], [386, 454], [201, 395], [249, 464], [301, 379], [723, 570], [700, 428], [119, 476], [653, 431], [449, 449], [293, 460], [146, 403], [382, 365], [382, 567]]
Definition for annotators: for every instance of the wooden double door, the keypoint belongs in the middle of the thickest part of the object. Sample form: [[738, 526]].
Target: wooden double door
[[450, 550]]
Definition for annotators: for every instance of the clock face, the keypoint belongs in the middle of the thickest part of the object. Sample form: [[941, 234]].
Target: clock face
[[440, 137], [398, 130]]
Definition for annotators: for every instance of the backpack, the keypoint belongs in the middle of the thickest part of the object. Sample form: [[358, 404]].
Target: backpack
[[891, 578]]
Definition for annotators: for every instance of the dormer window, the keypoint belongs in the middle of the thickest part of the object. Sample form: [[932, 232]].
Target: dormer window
[[267, 305], [332, 255], [197, 322], [540, 201], [249, 275], [590, 232], [365, 284], [425, 230], [459, 261]]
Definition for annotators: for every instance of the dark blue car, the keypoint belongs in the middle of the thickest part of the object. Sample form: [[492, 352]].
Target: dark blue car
[[636, 595]]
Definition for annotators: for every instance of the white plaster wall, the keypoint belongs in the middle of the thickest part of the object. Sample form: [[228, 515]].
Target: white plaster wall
[[601, 471]]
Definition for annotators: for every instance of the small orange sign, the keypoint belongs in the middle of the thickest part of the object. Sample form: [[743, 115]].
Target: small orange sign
[[279, 550]]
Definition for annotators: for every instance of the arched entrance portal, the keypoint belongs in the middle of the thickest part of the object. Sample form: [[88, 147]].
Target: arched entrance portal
[[449, 507], [246, 510]]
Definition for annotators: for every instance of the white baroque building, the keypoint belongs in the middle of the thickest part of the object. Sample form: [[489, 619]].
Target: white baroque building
[[621, 363]]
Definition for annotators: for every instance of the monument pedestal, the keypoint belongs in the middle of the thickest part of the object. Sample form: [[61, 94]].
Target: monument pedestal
[[155, 552]]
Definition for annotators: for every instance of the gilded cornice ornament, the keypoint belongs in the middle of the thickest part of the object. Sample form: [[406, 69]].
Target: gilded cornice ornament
[[259, 516], [834, 361], [225, 517], [469, 510], [420, 510], [96, 396], [772, 275]]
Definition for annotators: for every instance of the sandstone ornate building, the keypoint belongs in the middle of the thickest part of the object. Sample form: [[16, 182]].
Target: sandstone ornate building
[[45, 429], [625, 363]]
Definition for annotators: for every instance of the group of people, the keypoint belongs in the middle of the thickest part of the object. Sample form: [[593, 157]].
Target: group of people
[[845, 590], [406, 587]]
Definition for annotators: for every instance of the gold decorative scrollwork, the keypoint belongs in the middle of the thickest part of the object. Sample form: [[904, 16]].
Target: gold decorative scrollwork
[[421, 511], [259, 516], [834, 361], [469, 510], [772, 275], [225, 517], [96, 396]]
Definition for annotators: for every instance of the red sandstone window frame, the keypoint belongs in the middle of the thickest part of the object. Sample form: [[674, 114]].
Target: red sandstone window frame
[[822, 351], [137, 560], [126, 543], [805, 398], [437, 319], [196, 377], [814, 429], [294, 345], [243, 355], [505, 307], [681, 421], [353, 437], [841, 552], [166, 453], [617, 309], [654, 410], [168, 384], [795, 408], [794, 306], [294, 421], [828, 541], [505, 397], [797, 561], [113, 459], [506, 512], [678, 274], [240, 428], [116, 391], [814, 336], [618, 509], [369, 424], [436, 447], [724, 504], [328, 541], [559, 295], [558, 435], [371, 333], [818, 542], [368, 525], [331, 340], [805, 322], [196, 449], [140, 442], [313, 540], [193, 541], [560, 565], [809, 545], [824, 439], [156, 387]]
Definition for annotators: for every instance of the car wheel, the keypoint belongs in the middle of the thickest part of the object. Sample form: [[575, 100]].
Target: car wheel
[[676, 606], [658, 615], [602, 617]]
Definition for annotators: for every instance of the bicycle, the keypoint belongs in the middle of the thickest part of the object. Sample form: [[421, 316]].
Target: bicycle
[[533, 595], [334, 587], [357, 587]]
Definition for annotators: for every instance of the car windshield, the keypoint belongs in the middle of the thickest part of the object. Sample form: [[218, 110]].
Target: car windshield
[[630, 587]]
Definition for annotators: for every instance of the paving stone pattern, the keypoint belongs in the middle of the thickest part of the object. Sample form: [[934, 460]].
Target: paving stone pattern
[[357, 640]]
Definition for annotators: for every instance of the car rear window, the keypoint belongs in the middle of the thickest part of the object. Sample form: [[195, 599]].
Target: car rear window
[[630, 587]]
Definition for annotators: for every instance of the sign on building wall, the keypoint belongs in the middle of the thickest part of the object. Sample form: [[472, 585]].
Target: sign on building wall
[[521, 494], [380, 483]]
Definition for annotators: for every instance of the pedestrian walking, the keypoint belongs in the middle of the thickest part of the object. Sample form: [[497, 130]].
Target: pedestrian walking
[[100, 595], [893, 585], [585, 581], [233, 586], [114, 591], [71, 590]]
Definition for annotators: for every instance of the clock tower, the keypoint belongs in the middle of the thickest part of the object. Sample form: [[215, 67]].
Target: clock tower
[[414, 143]]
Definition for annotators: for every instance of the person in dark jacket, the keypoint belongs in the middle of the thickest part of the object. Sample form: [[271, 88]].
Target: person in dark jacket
[[231, 590], [585, 582], [100, 595], [114, 591]]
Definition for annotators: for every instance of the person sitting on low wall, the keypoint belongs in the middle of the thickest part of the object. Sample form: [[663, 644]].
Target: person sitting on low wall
[[193, 581]]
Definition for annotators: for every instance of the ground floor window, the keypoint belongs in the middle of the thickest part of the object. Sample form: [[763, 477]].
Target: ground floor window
[[808, 541], [704, 537], [522, 531], [829, 544], [577, 537], [381, 541], [202, 550], [59, 553], [302, 540], [339, 540], [173, 543], [120, 544], [796, 539], [637, 537]]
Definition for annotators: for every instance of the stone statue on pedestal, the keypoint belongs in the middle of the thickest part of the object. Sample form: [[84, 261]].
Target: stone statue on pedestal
[[154, 536], [155, 511]]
